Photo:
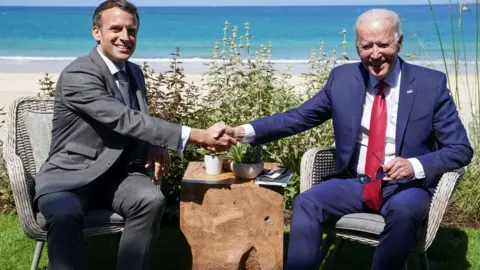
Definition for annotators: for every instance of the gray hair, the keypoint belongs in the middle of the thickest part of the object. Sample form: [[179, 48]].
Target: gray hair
[[376, 14]]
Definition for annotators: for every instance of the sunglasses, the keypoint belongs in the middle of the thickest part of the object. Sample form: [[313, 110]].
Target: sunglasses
[[380, 174], [365, 179]]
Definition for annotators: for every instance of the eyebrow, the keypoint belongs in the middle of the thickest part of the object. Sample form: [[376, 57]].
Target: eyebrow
[[129, 27]]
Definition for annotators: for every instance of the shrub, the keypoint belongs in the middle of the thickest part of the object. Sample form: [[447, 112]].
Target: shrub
[[242, 89], [7, 203], [47, 86], [172, 98]]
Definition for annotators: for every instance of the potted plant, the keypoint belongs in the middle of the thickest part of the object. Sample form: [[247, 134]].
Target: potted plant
[[213, 161], [246, 160]]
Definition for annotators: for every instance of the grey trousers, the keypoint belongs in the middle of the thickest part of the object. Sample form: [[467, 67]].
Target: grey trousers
[[133, 196]]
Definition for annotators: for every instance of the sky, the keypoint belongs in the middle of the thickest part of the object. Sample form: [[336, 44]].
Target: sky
[[218, 2]]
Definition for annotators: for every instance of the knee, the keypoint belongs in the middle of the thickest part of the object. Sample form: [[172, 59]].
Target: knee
[[303, 201], [405, 214], [61, 209], [65, 215], [153, 200], [299, 200]]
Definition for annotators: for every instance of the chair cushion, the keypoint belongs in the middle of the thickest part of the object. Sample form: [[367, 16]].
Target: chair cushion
[[39, 130], [361, 222], [93, 218]]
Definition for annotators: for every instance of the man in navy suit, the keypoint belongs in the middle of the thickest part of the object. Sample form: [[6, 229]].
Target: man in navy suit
[[384, 111]]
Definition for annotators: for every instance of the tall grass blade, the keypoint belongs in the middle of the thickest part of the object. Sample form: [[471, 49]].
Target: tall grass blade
[[439, 40]]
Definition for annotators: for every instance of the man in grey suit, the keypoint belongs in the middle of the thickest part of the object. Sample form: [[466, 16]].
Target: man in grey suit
[[101, 127]]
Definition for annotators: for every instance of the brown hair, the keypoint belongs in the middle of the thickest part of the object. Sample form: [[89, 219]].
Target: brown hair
[[122, 4]]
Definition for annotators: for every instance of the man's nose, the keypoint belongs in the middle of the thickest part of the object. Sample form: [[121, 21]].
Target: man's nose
[[124, 34], [376, 53]]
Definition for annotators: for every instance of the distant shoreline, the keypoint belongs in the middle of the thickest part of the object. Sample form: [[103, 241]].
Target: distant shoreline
[[22, 64]]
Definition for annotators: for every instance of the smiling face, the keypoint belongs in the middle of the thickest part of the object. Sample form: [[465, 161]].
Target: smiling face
[[117, 35], [377, 46]]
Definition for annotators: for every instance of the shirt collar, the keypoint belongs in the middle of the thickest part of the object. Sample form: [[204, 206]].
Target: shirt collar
[[391, 79], [111, 66]]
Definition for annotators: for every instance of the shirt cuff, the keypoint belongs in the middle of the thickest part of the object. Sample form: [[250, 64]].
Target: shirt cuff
[[417, 168], [249, 133], [184, 139]]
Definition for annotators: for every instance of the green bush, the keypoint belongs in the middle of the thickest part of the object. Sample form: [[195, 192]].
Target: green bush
[[171, 97], [47, 86], [7, 203], [244, 87], [467, 196]]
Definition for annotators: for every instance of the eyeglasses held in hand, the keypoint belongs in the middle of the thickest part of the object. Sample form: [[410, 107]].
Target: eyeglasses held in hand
[[380, 174]]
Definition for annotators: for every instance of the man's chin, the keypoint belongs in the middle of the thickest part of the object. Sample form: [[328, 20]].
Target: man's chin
[[122, 57], [379, 74]]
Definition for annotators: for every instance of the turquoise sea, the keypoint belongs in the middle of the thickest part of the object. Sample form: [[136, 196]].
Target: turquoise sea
[[63, 33]]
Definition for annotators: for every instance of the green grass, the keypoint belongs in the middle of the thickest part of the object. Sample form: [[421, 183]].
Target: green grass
[[16, 250], [452, 249]]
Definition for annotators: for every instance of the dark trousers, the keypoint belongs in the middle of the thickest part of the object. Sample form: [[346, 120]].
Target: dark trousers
[[133, 196], [405, 210]]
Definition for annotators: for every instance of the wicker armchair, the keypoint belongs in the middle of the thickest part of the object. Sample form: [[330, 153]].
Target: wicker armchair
[[19, 159], [363, 227]]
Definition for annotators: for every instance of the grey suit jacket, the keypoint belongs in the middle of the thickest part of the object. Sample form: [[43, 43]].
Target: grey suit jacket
[[92, 126]]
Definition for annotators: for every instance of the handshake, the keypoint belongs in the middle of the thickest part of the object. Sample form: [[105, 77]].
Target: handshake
[[217, 138]]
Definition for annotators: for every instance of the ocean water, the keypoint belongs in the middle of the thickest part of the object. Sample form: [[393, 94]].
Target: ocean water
[[63, 33]]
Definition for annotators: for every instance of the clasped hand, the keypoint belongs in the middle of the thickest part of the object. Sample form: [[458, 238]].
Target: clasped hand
[[219, 137]]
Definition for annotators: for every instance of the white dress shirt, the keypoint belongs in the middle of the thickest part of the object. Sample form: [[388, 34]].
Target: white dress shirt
[[392, 94], [114, 69]]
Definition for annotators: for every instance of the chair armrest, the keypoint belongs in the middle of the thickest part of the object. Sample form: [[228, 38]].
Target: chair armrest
[[316, 163], [440, 200], [21, 196]]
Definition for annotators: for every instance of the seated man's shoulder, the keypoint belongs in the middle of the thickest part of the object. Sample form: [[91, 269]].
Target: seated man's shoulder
[[426, 71], [83, 64], [347, 68]]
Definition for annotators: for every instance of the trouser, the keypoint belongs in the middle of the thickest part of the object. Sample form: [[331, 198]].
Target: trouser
[[405, 210], [133, 196]]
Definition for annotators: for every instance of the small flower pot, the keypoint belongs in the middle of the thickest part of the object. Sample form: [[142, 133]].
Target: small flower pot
[[213, 164], [246, 171]]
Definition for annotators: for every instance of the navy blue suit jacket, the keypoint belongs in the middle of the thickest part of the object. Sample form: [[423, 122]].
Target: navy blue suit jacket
[[428, 126]]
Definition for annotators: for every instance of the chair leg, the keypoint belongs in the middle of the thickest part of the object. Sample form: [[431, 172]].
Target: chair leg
[[326, 245], [36, 256], [424, 261], [338, 246]]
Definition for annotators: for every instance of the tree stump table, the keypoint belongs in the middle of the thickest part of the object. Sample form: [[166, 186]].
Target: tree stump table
[[230, 223]]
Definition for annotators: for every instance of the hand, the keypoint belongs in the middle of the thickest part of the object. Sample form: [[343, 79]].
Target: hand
[[219, 137], [215, 139], [238, 133], [161, 158], [397, 169]]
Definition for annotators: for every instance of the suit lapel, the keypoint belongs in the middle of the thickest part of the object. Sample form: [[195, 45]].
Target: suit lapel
[[109, 79], [405, 102], [139, 90], [356, 102]]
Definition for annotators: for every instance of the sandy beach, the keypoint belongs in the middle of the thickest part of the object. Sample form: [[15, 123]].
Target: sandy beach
[[18, 84]]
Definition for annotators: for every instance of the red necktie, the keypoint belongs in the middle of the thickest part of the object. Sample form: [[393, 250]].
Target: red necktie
[[372, 192]]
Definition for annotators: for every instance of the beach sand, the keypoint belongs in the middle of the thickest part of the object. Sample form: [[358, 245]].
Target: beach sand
[[14, 85]]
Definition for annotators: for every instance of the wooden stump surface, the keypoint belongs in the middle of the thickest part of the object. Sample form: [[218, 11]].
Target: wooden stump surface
[[231, 224]]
